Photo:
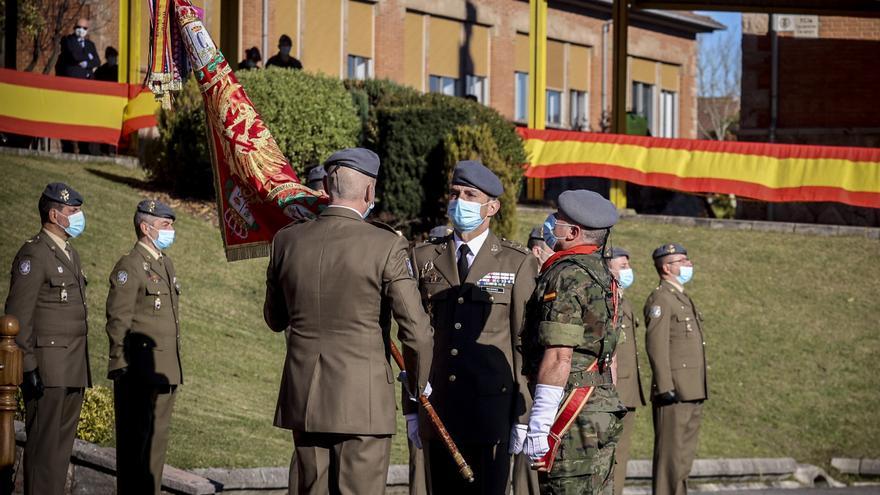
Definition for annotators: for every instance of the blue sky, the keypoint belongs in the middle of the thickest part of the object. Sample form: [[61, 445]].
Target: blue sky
[[708, 43], [733, 21]]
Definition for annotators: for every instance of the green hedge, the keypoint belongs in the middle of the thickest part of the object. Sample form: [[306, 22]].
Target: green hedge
[[309, 116], [415, 174]]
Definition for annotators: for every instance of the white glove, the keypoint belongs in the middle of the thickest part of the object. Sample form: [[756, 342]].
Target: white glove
[[91, 57], [412, 429], [517, 437], [544, 408], [83, 64], [402, 379]]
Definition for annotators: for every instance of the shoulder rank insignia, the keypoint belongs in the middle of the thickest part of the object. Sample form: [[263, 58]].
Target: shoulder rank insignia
[[655, 312], [409, 268], [146, 266], [24, 267], [550, 296]]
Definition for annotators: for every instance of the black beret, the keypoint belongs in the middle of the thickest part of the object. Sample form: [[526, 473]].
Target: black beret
[[360, 159], [617, 252], [668, 249], [588, 209], [156, 208], [473, 173], [537, 233], [60, 192], [316, 174]]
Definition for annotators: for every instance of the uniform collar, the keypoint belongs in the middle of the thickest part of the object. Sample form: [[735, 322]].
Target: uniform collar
[[674, 284], [342, 211], [151, 250], [474, 244], [61, 243]]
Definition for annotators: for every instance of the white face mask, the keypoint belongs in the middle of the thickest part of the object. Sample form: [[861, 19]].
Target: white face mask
[[80, 32]]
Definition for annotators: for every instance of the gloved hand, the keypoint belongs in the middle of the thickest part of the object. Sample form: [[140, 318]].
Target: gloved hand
[[401, 377], [32, 385], [83, 64], [544, 408], [517, 438], [666, 398], [412, 429]]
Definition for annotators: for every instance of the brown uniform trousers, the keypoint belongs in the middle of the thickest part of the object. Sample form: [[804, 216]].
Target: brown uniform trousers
[[676, 349], [144, 332], [629, 387], [333, 284], [478, 388], [47, 295]]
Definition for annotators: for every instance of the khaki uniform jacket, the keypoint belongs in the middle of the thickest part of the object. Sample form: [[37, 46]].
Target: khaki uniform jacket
[[676, 344], [143, 318], [478, 388], [629, 377], [47, 293], [333, 284]]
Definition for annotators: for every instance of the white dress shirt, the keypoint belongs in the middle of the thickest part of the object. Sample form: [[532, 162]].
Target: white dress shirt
[[474, 245]]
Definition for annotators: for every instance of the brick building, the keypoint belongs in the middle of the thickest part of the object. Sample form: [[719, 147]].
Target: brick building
[[826, 94], [462, 47]]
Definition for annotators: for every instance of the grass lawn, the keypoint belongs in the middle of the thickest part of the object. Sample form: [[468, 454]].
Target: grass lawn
[[791, 325]]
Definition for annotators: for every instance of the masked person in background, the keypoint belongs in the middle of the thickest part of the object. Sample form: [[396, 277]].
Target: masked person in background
[[628, 379], [283, 58], [474, 286], [47, 295], [676, 349]]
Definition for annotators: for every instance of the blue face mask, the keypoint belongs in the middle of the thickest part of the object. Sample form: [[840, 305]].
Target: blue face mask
[[76, 224], [164, 240], [685, 274], [626, 277], [465, 215], [547, 232]]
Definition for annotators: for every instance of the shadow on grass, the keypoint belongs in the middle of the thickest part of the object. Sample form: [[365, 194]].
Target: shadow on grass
[[128, 181]]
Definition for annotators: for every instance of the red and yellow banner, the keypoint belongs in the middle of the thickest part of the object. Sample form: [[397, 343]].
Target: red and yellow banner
[[767, 172], [69, 108]]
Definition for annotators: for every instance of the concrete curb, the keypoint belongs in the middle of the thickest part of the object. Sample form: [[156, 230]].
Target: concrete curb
[[125, 161], [754, 225], [865, 467]]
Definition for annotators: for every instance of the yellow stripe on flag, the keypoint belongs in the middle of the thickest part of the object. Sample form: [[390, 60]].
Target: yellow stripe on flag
[[61, 107], [141, 105]]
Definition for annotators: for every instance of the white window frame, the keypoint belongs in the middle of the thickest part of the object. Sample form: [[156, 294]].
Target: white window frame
[[444, 85], [521, 96], [477, 86], [362, 68], [579, 110], [550, 110], [642, 107], [668, 114]]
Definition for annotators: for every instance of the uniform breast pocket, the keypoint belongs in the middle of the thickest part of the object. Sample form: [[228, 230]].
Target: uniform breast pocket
[[683, 326], [61, 289], [157, 298]]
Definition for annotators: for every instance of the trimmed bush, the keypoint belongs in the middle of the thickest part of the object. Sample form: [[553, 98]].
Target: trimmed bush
[[309, 116], [470, 142], [97, 419]]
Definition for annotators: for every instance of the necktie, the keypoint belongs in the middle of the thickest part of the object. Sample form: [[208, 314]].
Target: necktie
[[463, 267]]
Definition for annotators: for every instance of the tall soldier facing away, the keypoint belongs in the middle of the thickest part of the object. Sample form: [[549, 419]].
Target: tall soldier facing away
[[143, 325], [332, 286], [47, 295], [628, 379], [676, 349], [568, 344], [475, 286]]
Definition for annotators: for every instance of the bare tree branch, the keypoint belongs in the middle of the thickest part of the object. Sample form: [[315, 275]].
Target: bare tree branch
[[718, 76]]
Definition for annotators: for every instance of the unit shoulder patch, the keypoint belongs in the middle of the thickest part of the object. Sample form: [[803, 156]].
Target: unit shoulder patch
[[24, 267], [655, 311], [121, 277], [550, 296]]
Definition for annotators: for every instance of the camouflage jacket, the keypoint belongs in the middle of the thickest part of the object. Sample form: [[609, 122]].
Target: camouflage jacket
[[572, 306]]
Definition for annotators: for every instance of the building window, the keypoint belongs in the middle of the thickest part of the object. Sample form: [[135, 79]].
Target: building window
[[359, 67], [521, 113], [476, 86], [444, 85], [643, 102], [668, 114], [580, 116], [554, 107]]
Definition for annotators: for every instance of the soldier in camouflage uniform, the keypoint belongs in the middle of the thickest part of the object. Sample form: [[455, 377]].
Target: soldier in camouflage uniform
[[568, 327]]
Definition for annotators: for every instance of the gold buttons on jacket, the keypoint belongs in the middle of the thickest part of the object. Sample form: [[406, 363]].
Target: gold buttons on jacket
[[684, 365], [457, 326], [491, 298], [451, 378], [460, 300], [454, 352]]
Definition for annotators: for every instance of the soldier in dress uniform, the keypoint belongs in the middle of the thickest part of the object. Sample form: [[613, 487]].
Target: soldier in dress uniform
[[143, 325], [676, 349], [474, 286], [568, 345], [335, 298], [47, 295], [628, 379]]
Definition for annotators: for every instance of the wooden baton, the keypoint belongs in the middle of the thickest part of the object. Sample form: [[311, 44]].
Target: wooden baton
[[463, 469]]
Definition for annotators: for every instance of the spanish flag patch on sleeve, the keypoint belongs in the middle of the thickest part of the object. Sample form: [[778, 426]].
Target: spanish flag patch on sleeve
[[550, 296]]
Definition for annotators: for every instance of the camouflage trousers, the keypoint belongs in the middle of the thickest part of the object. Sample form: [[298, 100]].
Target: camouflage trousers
[[585, 461]]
